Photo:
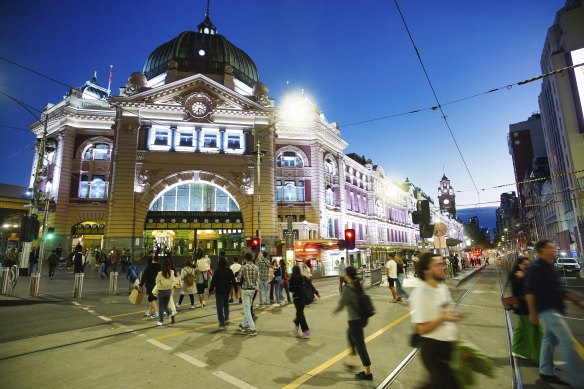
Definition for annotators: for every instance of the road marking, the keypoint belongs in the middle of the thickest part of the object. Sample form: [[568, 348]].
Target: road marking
[[191, 360], [129, 314], [189, 330], [233, 381], [322, 367], [75, 303], [105, 318], [91, 311], [86, 308], [158, 344]]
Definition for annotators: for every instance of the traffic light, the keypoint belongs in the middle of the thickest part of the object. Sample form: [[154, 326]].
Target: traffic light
[[255, 243], [424, 211], [350, 239], [426, 230], [341, 244], [29, 228], [50, 233]]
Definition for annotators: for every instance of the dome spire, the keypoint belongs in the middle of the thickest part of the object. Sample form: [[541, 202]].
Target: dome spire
[[207, 26]]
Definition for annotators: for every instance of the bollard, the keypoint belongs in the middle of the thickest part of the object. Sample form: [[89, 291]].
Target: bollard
[[113, 284], [78, 285], [35, 282], [4, 280]]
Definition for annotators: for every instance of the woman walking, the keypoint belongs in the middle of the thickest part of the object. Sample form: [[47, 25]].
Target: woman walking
[[222, 281], [350, 299], [187, 277], [526, 335], [201, 271], [285, 282], [164, 282], [278, 281], [400, 279], [297, 284]]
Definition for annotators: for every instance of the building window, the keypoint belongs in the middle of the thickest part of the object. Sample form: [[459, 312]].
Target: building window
[[234, 141], [329, 196], [210, 141], [290, 190], [289, 159], [161, 137], [96, 151], [94, 189], [186, 138], [329, 166], [195, 197]]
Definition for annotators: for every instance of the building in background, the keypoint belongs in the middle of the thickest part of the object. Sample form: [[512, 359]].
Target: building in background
[[561, 105], [446, 197]]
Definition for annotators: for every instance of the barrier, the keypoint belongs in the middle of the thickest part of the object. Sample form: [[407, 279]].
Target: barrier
[[370, 277], [78, 286], [35, 282], [113, 283], [4, 280]]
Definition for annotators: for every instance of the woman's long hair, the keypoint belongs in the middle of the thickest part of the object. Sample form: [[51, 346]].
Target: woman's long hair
[[352, 273], [296, 273], [165, 268], [515, 267]]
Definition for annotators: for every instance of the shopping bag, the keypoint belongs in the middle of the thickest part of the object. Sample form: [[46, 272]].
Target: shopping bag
[[136, 296], [509, 303]]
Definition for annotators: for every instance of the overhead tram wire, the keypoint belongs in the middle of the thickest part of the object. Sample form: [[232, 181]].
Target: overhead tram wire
[[439, 106]]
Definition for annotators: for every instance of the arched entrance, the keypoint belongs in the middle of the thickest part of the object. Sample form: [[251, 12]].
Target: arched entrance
[[194, 215], [89, 234]]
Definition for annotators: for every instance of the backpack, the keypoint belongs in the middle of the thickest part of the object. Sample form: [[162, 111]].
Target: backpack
[[189, 279], [133, 273], [308, 292], [366, 308]]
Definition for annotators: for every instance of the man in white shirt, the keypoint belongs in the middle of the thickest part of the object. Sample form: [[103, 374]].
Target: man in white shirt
[[235, 289], [434, 317], [391, 272]]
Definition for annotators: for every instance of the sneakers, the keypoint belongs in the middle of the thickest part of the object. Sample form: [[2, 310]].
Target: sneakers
[[160, 323], [305, 335], [148, 313], [192, 307], [220, 327], [364, 377], [177, 306], [252, 333], [230, 300], [154, 315], [204, 305], [554, 379], [242, 328]]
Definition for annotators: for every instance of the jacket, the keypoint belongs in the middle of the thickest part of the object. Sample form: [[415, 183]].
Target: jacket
[[349, 299], [297, 285], [223, 279], [517, 288], [149, 275], [164, 283]]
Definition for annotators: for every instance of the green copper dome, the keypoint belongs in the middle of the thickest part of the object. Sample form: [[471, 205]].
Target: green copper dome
[[204, 51]]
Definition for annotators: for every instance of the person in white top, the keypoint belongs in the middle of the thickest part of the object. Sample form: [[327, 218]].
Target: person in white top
[[434, 317], [391, 272], [235, 268]]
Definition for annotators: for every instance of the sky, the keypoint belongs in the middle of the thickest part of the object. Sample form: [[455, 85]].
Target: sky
[[352, 58]]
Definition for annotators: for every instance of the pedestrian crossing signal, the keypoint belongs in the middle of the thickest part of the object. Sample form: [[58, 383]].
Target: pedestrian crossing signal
[[350, 239], [255, 243]]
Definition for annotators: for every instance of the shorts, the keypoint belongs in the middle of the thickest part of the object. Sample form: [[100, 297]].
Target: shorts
[[200, 288], [391, 282], [151, 297]]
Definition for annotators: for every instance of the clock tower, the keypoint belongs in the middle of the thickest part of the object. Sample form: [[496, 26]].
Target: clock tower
[[446, 197]]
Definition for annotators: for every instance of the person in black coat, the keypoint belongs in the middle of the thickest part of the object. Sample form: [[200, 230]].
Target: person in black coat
[[149, 280], [78, 260], [297, 285], [222, 281]]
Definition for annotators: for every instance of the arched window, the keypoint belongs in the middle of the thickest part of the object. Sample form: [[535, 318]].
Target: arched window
[[97, 152], [97, 189], [329, 196], [379, 209], [195, 196], [289, 159], [289, 190], [330, 166]]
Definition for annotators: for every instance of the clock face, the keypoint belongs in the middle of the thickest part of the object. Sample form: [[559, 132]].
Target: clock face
[[446, 202], [199, 109]]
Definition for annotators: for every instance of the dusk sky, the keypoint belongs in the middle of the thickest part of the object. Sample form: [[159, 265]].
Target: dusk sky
[[352, 58]]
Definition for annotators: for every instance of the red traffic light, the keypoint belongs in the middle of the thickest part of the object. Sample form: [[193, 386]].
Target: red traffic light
[[350, 239], [255, 243]]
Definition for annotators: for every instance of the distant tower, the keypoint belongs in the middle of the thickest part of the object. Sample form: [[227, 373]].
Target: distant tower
[[446, 197]]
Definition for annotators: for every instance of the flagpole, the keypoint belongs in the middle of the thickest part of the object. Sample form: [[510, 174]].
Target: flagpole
[[109, 84]]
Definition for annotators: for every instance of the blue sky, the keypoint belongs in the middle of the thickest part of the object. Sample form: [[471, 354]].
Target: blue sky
[[353, 58]]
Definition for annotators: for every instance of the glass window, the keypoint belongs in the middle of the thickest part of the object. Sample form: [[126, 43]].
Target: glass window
[[83, 189], [210, 140], [100, 151], [289, 159], [221, 201], [329, 196], [233, 141], [329, 166], [186, 138], [169, 199], [300, 191], [161, 137], [97, 189], [196, 197], [279, 195], [289, 191], [182, 197]]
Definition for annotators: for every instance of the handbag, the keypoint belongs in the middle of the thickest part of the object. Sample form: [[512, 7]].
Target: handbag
[[509, 303], [136, 296]]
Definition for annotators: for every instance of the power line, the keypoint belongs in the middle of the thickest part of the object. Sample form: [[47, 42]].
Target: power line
[[35, 72], [15, 128], [436, 97]]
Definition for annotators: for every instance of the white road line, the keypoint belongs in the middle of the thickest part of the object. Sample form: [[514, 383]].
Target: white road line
[[159, 344], [105, 318], [191, 360], [75, 303], [233, 381], [91, 311], [86, 308]]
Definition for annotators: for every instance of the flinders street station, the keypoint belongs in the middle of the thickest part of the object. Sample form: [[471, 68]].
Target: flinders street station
[[193, 153]]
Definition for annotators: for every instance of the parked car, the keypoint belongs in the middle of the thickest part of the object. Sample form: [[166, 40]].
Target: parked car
[[567, 266]]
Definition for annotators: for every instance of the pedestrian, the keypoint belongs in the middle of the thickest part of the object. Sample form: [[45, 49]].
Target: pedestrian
[[271, 277], [165, 283], [78, 260], [391, 272], [545, 301], [103, 266], [59, 251], [526, 336], [222, 281], [114, 259], [250, 275], [306, 270], [33, 260], [356, 337], [285, 283], [298, 283], [131, 275], [53, 263], [201, 272], [434, 317], [341, 272], [235, 289], [187, 278], [149, 280], [278, 282], [400, 279], [264, 279]]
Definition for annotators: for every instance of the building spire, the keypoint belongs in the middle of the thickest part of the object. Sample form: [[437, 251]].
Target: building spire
[[207, 26]]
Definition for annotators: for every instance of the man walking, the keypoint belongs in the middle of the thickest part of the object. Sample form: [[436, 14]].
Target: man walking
[[263, 266], [391, 272], [249, 274], [53, 262], [341, 271], [223, 279], [545, 300]]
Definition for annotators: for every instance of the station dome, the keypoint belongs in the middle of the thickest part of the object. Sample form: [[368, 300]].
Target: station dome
[[203, 51]]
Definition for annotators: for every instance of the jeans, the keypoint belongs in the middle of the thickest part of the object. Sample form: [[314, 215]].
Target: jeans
[[286, 288], [557, 333], [436, 356], [52, 270], [278, 290], [400, 289], [163, 300], [264, 292], [247, 296], [300, 319], [341, 283], [222, 303], [357, 341]]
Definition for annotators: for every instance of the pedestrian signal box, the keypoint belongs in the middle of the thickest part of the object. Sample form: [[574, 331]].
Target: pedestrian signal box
[[350, 239], [255, 243]]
